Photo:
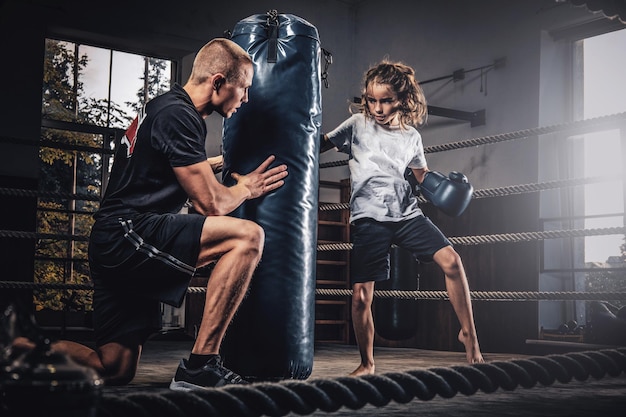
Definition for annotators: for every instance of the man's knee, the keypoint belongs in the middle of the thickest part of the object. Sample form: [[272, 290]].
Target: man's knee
[[119, 363], [253, 238]]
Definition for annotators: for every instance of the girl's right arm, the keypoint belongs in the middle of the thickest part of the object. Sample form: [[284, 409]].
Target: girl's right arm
[[325, 143]]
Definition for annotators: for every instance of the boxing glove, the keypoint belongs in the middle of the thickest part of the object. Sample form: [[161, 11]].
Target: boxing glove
[[449, 194]]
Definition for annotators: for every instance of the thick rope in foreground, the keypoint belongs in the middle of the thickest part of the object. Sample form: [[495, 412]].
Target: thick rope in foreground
[[329, 395], [399, 294], [580, 126]]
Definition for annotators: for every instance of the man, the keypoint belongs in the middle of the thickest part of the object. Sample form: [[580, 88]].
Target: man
[[143, 251]]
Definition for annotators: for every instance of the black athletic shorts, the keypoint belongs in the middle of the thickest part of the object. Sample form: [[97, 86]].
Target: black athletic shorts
[[372, 241], [136, 262]]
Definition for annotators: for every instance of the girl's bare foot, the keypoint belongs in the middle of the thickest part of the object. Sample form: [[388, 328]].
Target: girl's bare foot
[[472, 350], [363, 370]]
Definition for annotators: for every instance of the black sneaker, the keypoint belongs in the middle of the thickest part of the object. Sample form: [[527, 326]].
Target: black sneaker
[[212, 375]]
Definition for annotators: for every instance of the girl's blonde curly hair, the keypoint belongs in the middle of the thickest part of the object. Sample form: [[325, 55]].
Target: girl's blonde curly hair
[[413, 110]]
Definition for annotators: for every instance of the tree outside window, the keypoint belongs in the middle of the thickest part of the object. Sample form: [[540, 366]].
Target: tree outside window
[[83, 87]]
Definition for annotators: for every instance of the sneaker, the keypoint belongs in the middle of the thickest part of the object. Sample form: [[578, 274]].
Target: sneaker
[[212, 375]]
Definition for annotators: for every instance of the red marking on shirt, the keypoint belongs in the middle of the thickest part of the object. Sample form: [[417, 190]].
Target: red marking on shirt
[[130, 137]]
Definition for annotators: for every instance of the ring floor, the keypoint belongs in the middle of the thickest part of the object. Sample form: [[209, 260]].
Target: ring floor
[[591, 398]]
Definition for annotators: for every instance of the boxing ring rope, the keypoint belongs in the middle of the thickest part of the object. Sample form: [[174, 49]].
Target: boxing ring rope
[[504, 237], [415, 295], [580, 126], [483, 193], [399, 294], [329, 395], [577, 126], [486, 295], [17, 192], [279, 398], [501, 191], [463, 240]]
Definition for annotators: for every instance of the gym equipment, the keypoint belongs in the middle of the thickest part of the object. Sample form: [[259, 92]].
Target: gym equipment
[[272, 334], [606, 327], [42, 382]]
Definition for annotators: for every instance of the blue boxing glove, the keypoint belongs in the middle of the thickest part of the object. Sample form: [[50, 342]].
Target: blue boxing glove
[[449, 194]]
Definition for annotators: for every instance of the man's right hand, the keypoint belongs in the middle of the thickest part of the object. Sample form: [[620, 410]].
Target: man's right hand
[[262, 180]]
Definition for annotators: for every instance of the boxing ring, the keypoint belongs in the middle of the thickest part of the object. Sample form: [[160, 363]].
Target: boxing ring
[[509, 379]]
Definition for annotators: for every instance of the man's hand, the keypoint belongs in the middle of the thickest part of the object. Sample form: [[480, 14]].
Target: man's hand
[[262, 180]]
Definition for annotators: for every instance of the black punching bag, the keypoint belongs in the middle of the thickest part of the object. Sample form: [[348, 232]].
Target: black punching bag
[[272, 335], [395, 318]]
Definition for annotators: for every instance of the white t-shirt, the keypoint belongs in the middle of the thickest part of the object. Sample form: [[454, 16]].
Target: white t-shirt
[[378, 158]]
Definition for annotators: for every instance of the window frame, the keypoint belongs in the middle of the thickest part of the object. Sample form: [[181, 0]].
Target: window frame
[[111, 137]]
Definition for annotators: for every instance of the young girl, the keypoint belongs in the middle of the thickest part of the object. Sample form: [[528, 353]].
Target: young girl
[[382, 141]]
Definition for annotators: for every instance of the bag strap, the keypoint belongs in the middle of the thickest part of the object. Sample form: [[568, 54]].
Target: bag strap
[[272, 25]]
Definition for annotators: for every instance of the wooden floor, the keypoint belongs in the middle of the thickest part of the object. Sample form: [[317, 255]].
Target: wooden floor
[[604, 397]]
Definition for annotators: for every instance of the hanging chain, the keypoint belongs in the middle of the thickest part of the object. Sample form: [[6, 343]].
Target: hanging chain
[[272, 17], [328, 60]]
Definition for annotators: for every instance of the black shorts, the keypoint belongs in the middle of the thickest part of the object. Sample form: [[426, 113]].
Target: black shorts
[[136, 262], [372, 241]]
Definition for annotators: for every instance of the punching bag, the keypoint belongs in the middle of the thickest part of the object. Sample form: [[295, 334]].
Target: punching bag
[[395, 318], [272, 335]]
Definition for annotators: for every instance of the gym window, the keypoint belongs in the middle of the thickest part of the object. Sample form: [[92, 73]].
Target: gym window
[[589, 263], [89, 96], [604, 88]]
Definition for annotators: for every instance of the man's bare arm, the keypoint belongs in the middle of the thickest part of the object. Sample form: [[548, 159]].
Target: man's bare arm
[[211, 198]]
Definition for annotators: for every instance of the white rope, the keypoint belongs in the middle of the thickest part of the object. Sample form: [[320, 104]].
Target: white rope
[[399, 294], [503, 237]]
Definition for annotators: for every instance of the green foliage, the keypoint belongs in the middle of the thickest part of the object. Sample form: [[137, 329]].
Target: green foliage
[[103, 112], [72, 172], [60, 81], [52, 267], [154, 82]]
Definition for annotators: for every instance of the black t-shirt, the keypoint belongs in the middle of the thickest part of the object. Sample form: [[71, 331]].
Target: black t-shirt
[[169, 133]]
